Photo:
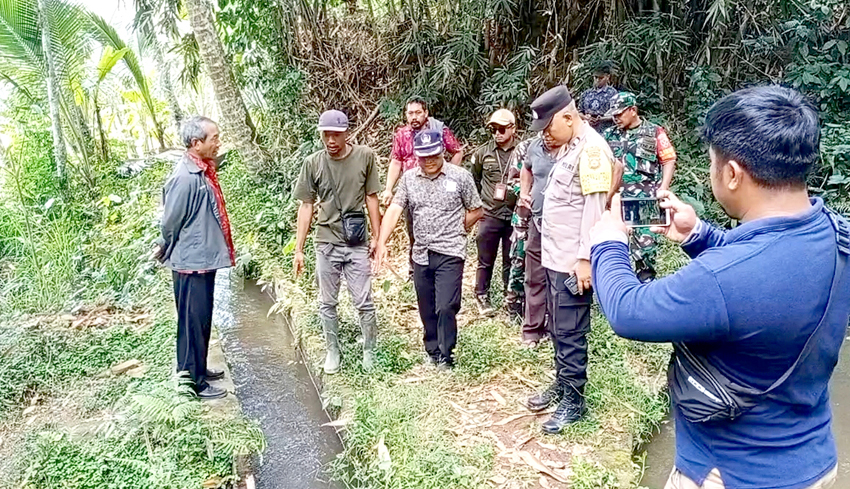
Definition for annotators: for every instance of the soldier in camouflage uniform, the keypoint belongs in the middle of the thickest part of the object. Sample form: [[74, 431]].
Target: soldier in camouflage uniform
[[515, 295], [649, 161]]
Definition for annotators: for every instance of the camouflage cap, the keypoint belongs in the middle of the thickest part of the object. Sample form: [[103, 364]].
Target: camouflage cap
[[621, 102]]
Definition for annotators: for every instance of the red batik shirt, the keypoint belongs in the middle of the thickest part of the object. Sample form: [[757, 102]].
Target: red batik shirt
[[403, 144], [208, 167]]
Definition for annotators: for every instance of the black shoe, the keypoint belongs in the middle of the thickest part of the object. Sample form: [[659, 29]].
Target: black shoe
[[485, 307], [514, 309], [214, 374], [571, 408], [539, 402], [211, 392], [446, 363]]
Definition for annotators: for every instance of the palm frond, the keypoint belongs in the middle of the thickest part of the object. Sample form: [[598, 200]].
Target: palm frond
[[108, 60], [21, 54], [108, 36]]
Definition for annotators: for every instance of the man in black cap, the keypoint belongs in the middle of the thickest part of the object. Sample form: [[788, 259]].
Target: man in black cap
[[444, 204], [535, 161], [574, 198], [596, 101]]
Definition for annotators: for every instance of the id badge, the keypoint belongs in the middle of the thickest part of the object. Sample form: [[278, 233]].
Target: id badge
[[500, 192]]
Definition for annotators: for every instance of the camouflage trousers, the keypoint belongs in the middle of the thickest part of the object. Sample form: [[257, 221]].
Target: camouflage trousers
[[643, 247], [515, 289], [643, 243]]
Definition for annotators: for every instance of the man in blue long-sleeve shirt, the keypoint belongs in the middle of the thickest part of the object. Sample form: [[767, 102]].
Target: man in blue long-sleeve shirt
[[749, 300]]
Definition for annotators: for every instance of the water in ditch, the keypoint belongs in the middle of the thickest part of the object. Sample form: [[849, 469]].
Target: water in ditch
[[274, 388], [661, 450]]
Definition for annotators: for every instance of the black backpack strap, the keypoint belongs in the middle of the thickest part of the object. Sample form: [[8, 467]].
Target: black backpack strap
[[842, 241]]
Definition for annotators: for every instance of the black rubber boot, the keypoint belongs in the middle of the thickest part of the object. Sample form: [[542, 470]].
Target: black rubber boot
[[542, 400], [571, 408]]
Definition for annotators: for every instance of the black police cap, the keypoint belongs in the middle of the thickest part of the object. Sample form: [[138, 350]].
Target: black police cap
[[547, 105]]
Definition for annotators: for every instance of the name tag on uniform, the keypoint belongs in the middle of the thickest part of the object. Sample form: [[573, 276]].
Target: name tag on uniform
[[451, 186]]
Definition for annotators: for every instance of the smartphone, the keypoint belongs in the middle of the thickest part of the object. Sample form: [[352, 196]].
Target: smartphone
[[643, 212], [571, 283]]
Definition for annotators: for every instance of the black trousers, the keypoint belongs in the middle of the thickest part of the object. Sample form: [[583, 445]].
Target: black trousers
[[438, 294], [193, 293], [408, 221], [491, 232], [536, 305], [569, 323]]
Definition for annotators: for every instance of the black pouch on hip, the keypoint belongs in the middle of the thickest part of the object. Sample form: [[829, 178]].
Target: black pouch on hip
[[354, 228]]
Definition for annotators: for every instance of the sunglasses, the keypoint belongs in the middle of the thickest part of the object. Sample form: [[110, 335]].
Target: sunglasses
[[500, 129]]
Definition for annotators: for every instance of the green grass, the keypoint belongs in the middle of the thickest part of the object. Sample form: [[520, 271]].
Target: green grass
[[412, 424], [160, 439], [589, 475], [66, 424]]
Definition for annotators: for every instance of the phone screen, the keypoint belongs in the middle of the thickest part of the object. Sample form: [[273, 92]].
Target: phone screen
[[643, 212]]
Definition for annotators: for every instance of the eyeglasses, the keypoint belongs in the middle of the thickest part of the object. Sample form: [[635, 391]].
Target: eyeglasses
[[500, 129]]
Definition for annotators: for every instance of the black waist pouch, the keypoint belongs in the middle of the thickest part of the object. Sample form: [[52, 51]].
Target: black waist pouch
[[702, 393], [354, 228]]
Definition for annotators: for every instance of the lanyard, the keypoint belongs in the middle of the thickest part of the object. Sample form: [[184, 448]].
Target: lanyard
[[503, 171]]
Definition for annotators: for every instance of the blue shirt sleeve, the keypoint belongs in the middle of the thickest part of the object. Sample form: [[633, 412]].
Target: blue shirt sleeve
[[685, 306], [708, 237]]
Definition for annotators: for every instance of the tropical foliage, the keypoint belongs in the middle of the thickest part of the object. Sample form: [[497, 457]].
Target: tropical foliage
[[80, 98]]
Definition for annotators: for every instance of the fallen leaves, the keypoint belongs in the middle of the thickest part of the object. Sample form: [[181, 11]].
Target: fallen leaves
[[498, 397], [513, 418], [537, 465], [125, 366]]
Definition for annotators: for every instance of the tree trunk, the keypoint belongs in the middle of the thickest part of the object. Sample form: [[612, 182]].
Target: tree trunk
[[168, 86], [59, 154], [235, 119], [104, 144]]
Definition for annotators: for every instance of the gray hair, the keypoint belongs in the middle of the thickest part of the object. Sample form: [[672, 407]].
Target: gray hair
[[194, 128]]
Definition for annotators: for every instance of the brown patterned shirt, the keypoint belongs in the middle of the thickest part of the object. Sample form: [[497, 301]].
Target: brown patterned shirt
[[438, 206]]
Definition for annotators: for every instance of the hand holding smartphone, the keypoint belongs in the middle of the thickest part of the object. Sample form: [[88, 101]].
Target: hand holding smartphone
[[571, 283], [643, 212]]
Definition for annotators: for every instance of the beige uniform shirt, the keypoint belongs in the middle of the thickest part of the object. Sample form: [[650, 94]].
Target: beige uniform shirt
[[572, 202]]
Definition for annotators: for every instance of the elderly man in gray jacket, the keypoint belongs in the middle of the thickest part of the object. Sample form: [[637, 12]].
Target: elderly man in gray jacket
[[196, 242]]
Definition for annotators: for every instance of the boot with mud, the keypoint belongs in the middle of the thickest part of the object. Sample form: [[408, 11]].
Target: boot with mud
[[542, 400], [332, 359], [571, 408], [369, 328]]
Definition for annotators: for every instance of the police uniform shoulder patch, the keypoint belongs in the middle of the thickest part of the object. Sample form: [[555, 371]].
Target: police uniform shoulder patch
[[594, 170]]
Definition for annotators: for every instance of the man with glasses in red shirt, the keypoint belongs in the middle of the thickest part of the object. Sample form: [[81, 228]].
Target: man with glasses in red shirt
[[402, 158]]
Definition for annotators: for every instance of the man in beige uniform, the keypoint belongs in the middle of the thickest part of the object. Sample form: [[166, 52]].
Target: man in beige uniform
[[575, 197]]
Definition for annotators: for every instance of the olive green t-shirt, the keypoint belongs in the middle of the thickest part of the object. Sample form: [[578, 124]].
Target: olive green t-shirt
[[355, 176]]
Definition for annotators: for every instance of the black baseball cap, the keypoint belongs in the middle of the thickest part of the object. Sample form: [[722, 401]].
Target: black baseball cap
[[547, 105]]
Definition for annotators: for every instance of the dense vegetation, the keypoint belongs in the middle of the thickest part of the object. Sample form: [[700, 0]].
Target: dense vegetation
[[78, 97]]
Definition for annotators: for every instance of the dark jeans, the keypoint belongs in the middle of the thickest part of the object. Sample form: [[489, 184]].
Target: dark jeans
[[534, 322], [193, 294], [438, 292], [492, 231], [569, 323]]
